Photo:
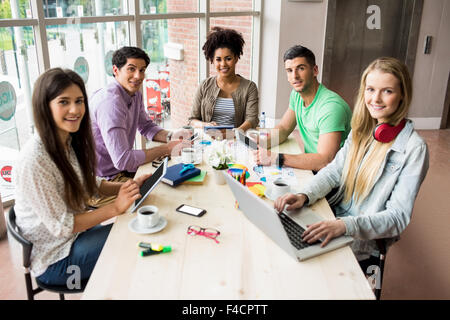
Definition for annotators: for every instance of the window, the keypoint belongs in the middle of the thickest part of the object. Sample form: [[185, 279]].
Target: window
[[87, 49]]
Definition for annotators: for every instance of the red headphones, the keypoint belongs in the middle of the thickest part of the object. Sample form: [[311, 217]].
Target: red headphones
[[385, 133]]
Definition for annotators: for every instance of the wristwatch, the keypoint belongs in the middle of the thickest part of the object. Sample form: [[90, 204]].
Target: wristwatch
[[280, 160], [169, 136]]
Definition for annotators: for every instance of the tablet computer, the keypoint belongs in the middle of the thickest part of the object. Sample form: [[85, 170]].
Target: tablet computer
[[246, 140], [151, 183], [217, 127]]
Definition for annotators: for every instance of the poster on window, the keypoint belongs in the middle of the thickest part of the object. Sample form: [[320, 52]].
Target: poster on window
[[6, 164], [7, 101]]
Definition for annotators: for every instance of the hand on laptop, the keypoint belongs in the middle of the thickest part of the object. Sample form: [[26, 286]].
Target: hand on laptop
[[294, 201], [326, 230]]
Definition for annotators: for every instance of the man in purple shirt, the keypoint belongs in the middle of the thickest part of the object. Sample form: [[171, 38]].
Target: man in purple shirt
[[117, 111]]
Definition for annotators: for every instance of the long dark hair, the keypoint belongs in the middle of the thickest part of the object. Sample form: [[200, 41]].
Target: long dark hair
[[47, 87]]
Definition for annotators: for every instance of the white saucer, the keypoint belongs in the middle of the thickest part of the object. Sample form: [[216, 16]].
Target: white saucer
[[133, 225], [268, 194], [198, 160]]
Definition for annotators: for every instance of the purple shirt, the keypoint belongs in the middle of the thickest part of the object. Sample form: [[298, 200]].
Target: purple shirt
[[115, 117]]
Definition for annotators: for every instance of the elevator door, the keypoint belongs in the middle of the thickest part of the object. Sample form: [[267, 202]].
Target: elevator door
[[358, 31]]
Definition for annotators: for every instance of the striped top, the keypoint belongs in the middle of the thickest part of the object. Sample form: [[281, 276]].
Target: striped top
[[224, 112]]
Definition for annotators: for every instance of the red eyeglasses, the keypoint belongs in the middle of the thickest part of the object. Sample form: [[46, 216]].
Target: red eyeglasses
[[206, 232]]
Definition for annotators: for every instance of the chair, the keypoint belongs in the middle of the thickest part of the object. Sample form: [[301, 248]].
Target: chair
[[381, 244], [27, 246]]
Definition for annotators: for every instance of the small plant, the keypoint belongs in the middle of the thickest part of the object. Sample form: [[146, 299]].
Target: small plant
[[220, 155]]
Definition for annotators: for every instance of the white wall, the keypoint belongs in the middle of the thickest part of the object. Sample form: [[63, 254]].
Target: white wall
[[431, 70], [286, 24]]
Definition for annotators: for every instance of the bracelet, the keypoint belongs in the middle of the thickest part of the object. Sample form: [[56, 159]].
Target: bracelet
[[280, 160]]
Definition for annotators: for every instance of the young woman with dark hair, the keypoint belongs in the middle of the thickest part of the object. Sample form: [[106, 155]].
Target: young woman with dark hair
[[227, 98], [55, 176]]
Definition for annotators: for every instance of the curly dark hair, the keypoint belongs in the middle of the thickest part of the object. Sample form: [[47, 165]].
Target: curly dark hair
[[223, 38]]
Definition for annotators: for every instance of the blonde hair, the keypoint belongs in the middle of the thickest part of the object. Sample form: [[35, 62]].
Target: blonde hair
[[359, 176]]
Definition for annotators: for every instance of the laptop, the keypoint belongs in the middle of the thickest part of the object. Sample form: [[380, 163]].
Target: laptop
[[151, 183], [250, 143], [284, 228]]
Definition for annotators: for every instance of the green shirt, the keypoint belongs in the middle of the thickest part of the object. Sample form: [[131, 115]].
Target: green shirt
[[327, 113]]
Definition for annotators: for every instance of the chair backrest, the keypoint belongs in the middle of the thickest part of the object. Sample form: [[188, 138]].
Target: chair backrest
[[15, 232]]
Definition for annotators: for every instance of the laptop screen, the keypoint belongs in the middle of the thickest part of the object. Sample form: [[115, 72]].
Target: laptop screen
[[151, 183], [247, 141]]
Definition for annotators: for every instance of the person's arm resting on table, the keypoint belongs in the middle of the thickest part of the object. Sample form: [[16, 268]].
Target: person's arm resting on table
[[127, 192], [327, 147]]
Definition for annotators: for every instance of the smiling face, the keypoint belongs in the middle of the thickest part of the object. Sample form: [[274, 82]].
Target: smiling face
[[131, 75], [301, 74], [225, 62], [382, 95], [68, 110]]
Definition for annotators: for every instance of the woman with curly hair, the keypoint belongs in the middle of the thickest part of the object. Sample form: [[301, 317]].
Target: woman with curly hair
[[227, 98]]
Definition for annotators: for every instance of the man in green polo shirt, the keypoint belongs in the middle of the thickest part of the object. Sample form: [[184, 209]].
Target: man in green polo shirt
[[322, 116]]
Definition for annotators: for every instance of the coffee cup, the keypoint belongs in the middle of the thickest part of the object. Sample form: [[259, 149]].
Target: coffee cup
[[148, 216], [190, 129], [188, 155], [280, 187]]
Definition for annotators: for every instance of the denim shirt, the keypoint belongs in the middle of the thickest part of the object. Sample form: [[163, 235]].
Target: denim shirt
[[387, 210]]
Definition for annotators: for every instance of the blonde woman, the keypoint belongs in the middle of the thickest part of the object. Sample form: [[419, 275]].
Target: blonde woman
[[378, 178]]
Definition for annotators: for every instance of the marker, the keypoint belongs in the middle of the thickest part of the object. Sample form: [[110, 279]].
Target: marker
[[152, 246], [150, 252]]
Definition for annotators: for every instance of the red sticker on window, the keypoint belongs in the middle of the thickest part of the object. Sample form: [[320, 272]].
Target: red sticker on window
[[6, 173]]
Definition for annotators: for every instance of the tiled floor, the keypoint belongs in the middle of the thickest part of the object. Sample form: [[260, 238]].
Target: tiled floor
[[12, 284]]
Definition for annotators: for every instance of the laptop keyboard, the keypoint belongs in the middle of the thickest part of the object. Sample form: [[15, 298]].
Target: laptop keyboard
[[294, 231]]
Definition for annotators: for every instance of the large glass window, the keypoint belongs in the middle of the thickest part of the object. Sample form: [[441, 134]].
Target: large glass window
[[18, 70], [172, 76], [87, 49], [230, 6], [15, 9], [18, 66], [168, 6], [83, 8]]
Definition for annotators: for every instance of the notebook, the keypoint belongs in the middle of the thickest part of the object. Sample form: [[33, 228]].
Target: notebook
[[199, 179], [229, 127], [173, 176], [285, 228]]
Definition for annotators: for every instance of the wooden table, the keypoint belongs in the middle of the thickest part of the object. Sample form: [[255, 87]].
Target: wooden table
[[246, 264]]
